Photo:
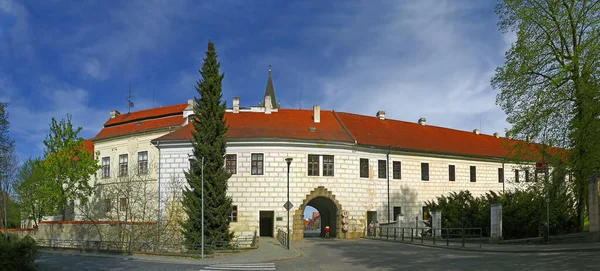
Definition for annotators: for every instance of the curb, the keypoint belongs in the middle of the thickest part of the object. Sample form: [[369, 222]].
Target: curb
[[490, 250]]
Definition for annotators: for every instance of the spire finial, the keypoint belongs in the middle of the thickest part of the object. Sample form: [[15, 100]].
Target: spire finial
[[270, 70]]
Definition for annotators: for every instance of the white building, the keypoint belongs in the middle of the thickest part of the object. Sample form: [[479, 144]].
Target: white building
[[353, 169]]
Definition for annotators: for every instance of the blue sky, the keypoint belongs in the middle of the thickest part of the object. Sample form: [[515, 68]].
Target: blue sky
[[413, 59]]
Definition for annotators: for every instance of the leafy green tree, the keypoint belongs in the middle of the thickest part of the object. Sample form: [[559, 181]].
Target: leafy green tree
[[34, 190], [8, 166], [68, 165], [208, 143], [549, 84]]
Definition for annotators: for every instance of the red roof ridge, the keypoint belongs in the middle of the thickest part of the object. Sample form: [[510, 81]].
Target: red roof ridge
[[417, 124], [344, 126], [144, 114]]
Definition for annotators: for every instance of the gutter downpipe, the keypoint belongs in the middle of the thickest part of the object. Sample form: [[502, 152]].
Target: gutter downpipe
[[388, 181], [158, 213], [504, 176]]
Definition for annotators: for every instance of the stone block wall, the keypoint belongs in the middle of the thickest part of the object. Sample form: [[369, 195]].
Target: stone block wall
[[268, 192]]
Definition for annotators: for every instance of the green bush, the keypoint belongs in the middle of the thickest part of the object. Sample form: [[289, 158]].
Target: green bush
[[18, 254], [523, 211]]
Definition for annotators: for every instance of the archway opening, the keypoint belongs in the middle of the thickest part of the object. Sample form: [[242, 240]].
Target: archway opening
[[330, 213], [327, 216], [312, 222]]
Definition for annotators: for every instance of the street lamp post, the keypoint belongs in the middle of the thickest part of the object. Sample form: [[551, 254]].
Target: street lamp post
[[288, 161], [193, 159]]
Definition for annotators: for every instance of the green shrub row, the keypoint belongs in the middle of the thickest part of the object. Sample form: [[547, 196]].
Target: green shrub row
[[17, 253], [523, 211]]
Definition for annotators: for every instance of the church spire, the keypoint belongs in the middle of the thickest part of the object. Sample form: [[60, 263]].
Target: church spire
[[270, 90]]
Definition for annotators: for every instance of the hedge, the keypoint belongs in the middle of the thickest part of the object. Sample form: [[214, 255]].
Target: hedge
[[18, 254]]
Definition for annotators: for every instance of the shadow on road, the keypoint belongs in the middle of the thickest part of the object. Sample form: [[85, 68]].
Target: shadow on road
[[380, 255]]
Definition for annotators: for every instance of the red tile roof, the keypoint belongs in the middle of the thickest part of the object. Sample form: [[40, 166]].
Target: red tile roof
[[144, 125], [368, 131], [89, 145], [415, 137], [285, 124], [147, 114]]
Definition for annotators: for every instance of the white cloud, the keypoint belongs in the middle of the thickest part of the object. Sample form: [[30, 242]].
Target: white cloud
[[17, 40], [414, 60], [30, 123], [93, 69]]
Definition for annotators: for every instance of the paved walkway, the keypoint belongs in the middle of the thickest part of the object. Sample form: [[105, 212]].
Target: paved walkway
[[486, 247], [269, 250]]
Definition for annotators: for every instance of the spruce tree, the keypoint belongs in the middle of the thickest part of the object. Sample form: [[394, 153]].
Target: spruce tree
[[209, 142]]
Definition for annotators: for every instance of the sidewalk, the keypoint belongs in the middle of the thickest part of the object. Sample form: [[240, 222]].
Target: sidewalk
[[505, 248], [269, 250]]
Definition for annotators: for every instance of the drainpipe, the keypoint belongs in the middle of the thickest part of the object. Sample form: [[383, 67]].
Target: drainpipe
[[503, 181], [388, 181], [158, 178]]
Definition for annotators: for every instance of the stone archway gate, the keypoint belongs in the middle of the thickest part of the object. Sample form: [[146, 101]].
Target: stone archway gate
[[298, 219]]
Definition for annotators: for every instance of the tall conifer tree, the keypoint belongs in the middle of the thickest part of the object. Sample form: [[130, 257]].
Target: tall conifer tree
[[209, 142]]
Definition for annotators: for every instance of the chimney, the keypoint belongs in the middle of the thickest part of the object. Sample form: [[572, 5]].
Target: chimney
[[497, 135], [191, 103], [381, 114], [317, 113], [476, 131], [268, 104], [423, 121], [236, 105], [114, 113]]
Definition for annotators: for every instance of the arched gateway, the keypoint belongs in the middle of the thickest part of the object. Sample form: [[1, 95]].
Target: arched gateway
[[329, 209]]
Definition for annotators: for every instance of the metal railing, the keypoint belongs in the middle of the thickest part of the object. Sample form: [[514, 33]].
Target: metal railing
[[150, 247], [282, 237], [434, 236]]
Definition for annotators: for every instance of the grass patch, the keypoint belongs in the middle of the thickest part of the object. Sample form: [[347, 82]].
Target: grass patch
[[586, 224]]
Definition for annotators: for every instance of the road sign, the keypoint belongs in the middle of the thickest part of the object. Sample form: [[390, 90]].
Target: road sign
[[288, 205]]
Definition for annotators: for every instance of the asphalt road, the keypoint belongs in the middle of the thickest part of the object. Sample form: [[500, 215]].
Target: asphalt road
[[362, 254], [347, 255]]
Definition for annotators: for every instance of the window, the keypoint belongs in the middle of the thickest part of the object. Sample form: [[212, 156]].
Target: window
[[313, 165], [500, 175], [381, 169], [190, 118], [516, 175], [143, 162], [425, 171], [327, 165], [257, 164], [397, 212], [234, 214], [231, 163], [526, 175], [473, 174], [425, 212], [123, 165], [364, 168], [107, 205], [105, 167], [123, 204], [397, 169], [452, 173]]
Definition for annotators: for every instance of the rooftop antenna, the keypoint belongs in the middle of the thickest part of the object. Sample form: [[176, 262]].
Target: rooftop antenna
[[480, 123], [129, 102]]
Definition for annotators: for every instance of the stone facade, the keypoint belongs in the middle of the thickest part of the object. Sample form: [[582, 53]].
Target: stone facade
[[344, 191]]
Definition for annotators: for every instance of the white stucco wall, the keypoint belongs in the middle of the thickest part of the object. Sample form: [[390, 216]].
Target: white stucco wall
[[267, 192]]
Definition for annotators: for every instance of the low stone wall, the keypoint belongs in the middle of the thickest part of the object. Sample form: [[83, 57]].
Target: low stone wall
[[87, 230]]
